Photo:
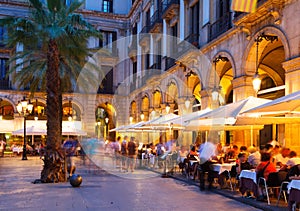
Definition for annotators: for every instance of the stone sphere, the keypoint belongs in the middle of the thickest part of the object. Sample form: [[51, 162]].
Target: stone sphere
[[75, 180]]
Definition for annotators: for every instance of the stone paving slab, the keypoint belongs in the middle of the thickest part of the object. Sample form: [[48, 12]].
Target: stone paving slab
[[103, 191]]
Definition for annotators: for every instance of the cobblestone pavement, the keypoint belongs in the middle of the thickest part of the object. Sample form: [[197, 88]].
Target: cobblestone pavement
[[102, 191]]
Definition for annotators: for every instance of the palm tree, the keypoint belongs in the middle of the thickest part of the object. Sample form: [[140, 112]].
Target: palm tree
[[54, 39]]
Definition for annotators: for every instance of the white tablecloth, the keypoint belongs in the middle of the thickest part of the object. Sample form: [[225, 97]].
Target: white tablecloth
[[220, 168], [294, 184], [250, 174]]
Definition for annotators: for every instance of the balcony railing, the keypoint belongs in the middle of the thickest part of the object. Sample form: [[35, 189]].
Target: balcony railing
[[167, 4], [144, 33], [169, 62], [220, 26], [5, 84], [155, 20], [193, 39]]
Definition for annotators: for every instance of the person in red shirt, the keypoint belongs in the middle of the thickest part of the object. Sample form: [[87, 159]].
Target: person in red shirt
[[266, 160], [267, 167]]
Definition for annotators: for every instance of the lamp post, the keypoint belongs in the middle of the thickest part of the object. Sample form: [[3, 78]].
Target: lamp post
[[142, 116], [106, 122], [1, 114], [216, 89], [98, 123], [168, 108], [256, 79], [24, 108]]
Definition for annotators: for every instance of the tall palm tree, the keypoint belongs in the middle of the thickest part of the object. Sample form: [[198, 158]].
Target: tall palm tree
[[54, 39]]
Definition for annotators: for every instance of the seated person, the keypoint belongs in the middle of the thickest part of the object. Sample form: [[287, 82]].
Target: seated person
[[182, 156], [193, 155], [282, 157], [293, 173], [264, 168], [242, 163], [254, 156], [232, 153], [294, 160]]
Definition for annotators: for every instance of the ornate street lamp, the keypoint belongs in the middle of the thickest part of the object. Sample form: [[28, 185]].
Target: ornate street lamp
[[24, 108], [168, 108], [256, 79], [106, 122], [142, 116], [1, 114], [130, 119], [216, 89]]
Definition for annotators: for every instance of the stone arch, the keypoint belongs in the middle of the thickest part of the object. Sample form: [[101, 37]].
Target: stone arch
[[6, 108], [248, 60], [171, 91]]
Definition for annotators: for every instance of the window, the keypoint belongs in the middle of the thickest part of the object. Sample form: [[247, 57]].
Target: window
[[3, 68], [107, 6], [108, 37], [194, 19], [3, 34], [147, 61], [205, 12]]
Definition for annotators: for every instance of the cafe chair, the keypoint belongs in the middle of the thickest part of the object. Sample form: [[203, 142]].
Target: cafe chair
[[274, 182], [283, 191]]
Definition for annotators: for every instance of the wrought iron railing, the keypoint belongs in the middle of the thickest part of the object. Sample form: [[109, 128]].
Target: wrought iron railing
[[220, 26], [155, 19], [5, 84], [166, 4]]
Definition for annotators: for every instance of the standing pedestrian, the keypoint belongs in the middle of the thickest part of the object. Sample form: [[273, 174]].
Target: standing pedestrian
[[132, 151], [70, 146], [2, 147], [124, 153]]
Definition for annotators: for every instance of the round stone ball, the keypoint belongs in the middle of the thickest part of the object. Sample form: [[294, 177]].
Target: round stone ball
[[75, 180]]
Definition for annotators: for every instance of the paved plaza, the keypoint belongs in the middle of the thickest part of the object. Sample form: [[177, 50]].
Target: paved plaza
[[140, 190]]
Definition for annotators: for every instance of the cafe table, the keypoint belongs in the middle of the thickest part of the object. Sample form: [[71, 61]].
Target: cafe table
[[222, 167], [294, 193], [248, 181]]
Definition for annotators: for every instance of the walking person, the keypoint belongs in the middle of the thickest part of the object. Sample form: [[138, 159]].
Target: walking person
[[132, 152], [70, 146], [2, 147], [124, 153]]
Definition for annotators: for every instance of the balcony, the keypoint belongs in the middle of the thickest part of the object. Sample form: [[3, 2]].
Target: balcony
[[189, 44], [220, 26], [132, 49], [5, 84], [144, 36], [169, 62], [156, 22], [170, 8]]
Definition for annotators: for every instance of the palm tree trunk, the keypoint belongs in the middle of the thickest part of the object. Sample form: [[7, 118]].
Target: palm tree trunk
[[53, 159]]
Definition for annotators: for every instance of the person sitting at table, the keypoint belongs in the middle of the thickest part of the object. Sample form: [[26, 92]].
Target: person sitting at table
[[293, 173], [232, 153], [192, 155], [242, 163], [182, 157], [264, 168], [294, 160], [282, 157], [254, 156]]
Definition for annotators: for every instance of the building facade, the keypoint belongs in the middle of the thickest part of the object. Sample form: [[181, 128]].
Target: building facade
[[170, 52]]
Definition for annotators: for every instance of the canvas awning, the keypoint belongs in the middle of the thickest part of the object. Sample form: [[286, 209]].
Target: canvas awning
[[32, 130], [289, 104], [225, 116]]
